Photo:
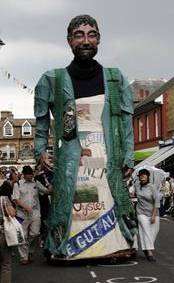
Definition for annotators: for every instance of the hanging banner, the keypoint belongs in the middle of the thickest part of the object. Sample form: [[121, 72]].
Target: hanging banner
[[19, 83]]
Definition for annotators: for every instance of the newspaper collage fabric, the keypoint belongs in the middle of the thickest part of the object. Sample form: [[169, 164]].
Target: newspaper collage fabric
[[94, 230]]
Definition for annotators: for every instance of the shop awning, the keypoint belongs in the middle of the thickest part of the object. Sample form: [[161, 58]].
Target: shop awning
[[141, 155], [159, 156]]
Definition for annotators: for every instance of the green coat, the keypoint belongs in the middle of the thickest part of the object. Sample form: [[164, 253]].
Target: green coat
[[54, 92]]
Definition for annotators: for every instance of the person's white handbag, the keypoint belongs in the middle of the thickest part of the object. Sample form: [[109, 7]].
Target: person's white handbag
[[13, 231]]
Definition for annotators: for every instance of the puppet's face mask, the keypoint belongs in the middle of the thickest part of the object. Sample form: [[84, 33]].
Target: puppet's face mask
[[84, 42]]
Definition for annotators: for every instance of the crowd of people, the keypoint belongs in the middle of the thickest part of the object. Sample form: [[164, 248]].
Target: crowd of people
[[24, 198]]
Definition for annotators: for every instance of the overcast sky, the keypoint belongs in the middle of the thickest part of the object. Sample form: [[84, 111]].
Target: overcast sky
[[136, 36]]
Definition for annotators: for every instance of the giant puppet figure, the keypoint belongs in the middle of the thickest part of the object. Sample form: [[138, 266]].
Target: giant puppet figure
[[91, 213]]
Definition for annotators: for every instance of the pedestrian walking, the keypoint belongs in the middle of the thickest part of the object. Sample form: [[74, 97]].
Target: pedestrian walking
[[26, 197], [147, 213], [168, 194], [5, 251], [6, 188]]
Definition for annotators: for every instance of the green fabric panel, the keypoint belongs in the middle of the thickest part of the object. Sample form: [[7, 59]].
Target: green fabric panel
[[116, 135], [126, 96], [43, 103], [58, 101], [41, 135], [41, 111], [42, 94], [65, 174], [114, 90], [66, 160], [128, 140]]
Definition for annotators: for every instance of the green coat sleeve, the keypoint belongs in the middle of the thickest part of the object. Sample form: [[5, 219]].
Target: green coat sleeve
[[42, 114], [127, 111]]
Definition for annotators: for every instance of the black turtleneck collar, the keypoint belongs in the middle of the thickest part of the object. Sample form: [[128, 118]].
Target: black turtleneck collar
[[87, 78], [83, 70]]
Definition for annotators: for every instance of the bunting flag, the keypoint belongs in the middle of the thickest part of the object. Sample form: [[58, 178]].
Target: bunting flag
[[19, 83]]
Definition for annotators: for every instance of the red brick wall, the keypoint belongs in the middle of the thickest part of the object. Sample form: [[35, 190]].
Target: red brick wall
[[165, 122], [153, 140], [164, 115]]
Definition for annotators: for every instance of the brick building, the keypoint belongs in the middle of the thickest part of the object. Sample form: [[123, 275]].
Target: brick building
[[154, 118], [16, 139]]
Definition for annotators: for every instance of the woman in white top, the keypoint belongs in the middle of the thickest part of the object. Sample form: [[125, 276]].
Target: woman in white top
[[5, 251], [148, 203]]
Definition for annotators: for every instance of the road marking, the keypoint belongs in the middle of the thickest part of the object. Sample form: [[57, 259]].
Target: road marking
[[165, 219], [137, 279], [93, 274], [118, 278], [131, 263], [152, 279]]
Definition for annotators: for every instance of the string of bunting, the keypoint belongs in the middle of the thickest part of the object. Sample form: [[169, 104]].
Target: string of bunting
[[19, 83]]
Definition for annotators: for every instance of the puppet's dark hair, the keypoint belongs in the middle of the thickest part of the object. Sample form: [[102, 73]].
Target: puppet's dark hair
[[81, 20]]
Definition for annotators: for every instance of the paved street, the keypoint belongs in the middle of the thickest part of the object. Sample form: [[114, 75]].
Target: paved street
[[138, 270]]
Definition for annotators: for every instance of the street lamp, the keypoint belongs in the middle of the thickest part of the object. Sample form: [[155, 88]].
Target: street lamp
[[1, 43]]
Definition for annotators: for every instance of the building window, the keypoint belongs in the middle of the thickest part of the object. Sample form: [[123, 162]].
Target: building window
[[12, 155], [146, 93], [140, 130], [156, 125], [8, 152], [8, 129], [26, 129], [141, 93], [26, 152], [4, 155], [147, 128]]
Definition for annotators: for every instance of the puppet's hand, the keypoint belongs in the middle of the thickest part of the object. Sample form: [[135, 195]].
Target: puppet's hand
[[127, 172], [86, 152], [46, 160]]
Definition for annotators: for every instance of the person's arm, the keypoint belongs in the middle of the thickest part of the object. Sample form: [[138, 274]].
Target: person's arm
[[171, 189], [10, 211], [156, 198], [23, 205], [154, 214], [128, 144], [42, 189], [128, 136], [18, 201]]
